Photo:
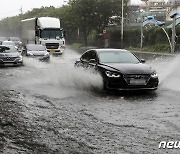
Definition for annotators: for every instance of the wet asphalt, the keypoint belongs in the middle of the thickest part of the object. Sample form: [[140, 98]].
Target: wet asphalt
[[53, 108]]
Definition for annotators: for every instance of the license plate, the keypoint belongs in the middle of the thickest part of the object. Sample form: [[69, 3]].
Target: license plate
[[137, 82], [8, 64], [52, 50]]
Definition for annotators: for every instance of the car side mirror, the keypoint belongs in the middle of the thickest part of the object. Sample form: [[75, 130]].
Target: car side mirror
[[23, 51], [143, 60], [92, 61], [64, 33]]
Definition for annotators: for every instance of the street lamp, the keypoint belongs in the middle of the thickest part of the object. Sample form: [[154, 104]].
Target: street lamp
[[173, 16], [151, 20], [122, 23]]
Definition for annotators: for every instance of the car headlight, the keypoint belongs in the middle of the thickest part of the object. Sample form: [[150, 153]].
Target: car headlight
[[29, 54], [112, 74], [154, 75], [20, 58], [47, 54]]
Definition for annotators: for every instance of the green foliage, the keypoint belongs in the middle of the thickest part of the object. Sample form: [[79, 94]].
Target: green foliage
[[165, 48], [89, 18], [89, 15], [131, 38], [85, 15], [162, 48], [154, 36], [77, 45], [83, 11], [105, 10]]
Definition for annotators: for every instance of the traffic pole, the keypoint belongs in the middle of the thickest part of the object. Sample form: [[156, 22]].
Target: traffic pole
[[173, 35]]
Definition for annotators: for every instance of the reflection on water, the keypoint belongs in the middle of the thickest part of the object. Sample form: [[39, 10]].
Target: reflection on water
[[130, 95]]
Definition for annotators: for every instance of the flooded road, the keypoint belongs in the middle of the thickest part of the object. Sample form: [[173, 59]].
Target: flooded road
[[54, 108]]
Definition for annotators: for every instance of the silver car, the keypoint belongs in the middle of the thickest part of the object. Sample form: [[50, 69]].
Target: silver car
[[36, 51], [9, 55]]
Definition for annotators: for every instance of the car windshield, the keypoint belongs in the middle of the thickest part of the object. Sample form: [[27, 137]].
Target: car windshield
[[8, 43], [35, 47], [117, 57], [14, 39], [52, 33], [7, 49]]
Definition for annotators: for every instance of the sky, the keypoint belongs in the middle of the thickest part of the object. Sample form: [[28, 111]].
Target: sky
[[12, 8]]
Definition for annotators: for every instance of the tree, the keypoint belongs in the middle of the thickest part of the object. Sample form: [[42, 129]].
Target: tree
[[84, 14], [10, 26], [105, 10], [94, 14]]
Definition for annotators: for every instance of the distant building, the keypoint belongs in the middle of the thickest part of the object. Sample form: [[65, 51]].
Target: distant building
[[157, 8], [134, 15], [173, 6], [161, 9]]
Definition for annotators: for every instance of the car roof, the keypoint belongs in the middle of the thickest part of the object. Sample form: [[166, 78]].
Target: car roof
[[110, 50], [14, 38], [7, 45], [34, 45], [107, 50], [8, 41]]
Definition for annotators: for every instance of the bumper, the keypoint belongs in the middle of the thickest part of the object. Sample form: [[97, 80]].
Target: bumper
[[44, 58], [133, 89], [55, 51], [122, 85], [41, 58], [16, 62]]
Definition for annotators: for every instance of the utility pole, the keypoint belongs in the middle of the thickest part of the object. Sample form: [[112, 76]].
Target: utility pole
[[122, 24], [141, 37], [173, 38], [78, 35], [21, 10], [173, 35]]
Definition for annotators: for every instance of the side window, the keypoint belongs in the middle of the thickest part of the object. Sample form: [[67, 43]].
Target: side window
[[89, 55], [93, 55], [86, 56]]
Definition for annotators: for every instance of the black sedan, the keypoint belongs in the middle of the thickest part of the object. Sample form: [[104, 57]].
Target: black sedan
[[9, 56], [36, 51], [120, 69]]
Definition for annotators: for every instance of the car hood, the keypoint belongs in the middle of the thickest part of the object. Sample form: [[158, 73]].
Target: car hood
[[138, 68], [12, 54], [38, 53]]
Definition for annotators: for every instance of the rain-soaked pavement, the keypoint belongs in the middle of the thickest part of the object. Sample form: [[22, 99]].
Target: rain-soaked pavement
[[52, 108]]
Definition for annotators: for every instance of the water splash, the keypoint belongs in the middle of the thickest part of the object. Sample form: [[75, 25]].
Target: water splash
[[168, 71], [69, 77], [60, 75]]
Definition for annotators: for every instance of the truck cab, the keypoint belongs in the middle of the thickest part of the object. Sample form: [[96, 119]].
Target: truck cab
[[46, 31]]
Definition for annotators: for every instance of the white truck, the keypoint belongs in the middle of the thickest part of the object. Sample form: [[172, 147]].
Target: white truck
[[43, 30]]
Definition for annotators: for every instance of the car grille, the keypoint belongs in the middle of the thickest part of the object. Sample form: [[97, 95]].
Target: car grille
[[38, 55], [8, 59], [137, 79], [52, 45]]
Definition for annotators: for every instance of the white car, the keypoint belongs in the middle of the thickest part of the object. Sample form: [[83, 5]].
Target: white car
[[10, 43]]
